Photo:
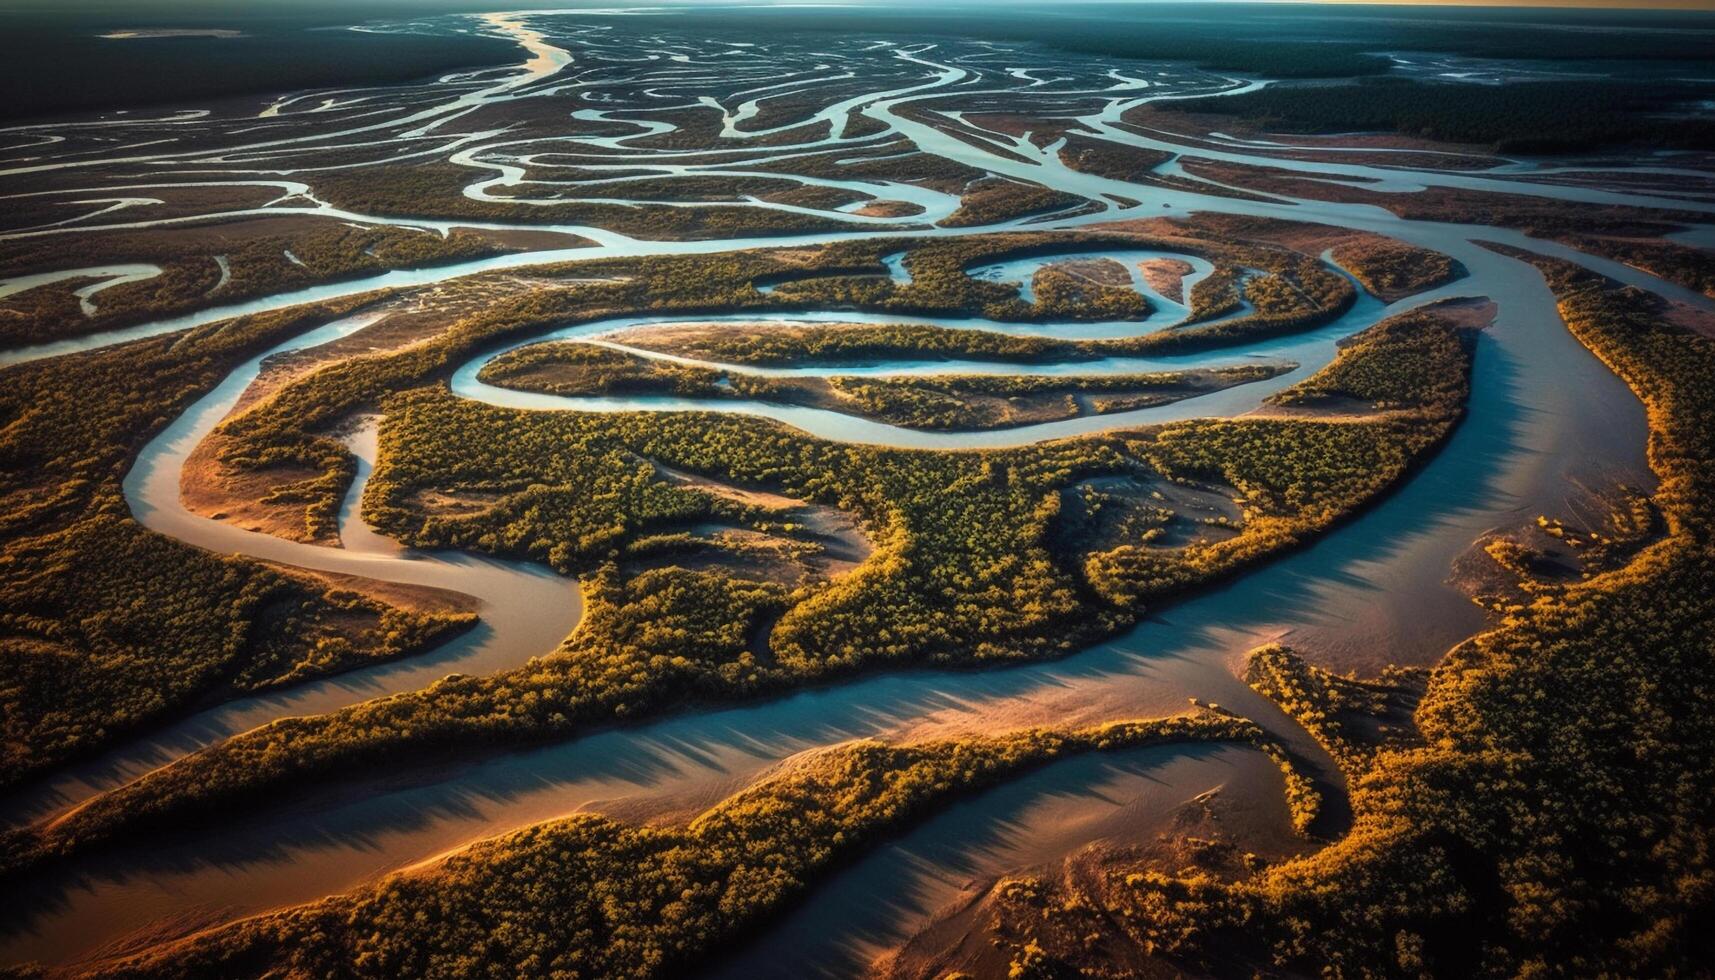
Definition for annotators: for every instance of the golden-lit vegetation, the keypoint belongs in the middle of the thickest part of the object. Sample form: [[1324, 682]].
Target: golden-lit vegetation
[[1549, 810], [436, 190], [190, 279], [1391, 269], [109, 627], [1295, 474], [942, 402], [1070, 290], [779, 345], [1296, 293], [1217, 294], [589, 896], [1300, 291], [991, 200], [1106, 158], [1317, 700], [1556, 814], [968, 566], [1404, 362], [1691, 267], [289, 429]]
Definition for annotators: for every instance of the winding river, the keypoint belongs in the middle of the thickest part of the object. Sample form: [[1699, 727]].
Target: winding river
[[1543, 414]]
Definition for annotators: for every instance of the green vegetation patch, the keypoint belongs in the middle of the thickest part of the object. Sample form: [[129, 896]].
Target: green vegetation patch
[[1320, 701], [290, 428], [1556, 816], [1409, 361], [954, 402], [965, 568], [1693, 268], [588, 896], [107, 627], [191, 278], [436, 190], [1392, 269], [991, 200]]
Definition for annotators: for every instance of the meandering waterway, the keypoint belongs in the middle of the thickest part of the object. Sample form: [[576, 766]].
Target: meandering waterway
[[1543, 414]]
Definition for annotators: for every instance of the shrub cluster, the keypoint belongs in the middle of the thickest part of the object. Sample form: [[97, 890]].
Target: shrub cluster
[[966, 569], [107, 627], [588, 896]]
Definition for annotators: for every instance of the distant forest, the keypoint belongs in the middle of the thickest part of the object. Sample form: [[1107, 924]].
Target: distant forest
[[1520, 117], [1276, 40], [57, 64]]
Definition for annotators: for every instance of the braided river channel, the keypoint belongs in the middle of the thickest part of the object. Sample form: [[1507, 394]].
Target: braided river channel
[[1543, 417]]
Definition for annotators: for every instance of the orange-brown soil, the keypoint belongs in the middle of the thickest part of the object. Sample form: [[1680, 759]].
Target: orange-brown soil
[[1166, 276]]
